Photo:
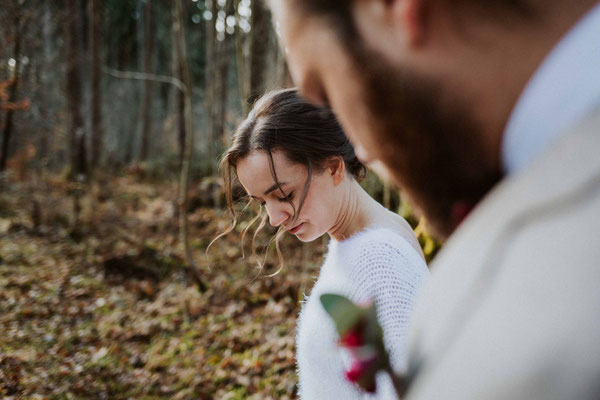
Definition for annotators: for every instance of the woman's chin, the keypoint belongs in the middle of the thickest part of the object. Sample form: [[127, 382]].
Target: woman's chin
[[301, 237], [307, 236]]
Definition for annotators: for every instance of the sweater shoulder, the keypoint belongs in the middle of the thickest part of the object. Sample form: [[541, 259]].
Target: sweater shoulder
[[374, 241], [379, 255]]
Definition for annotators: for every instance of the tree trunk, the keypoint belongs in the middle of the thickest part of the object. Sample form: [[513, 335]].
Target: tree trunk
[[220, 133], [259, 49], [95, 74], [177, 96], [74, 98], [212, 81], [8, 124], [147, 86], [240, 57], [185, 170], [45, 79]]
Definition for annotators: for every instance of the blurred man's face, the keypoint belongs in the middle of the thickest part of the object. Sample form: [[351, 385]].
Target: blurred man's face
[[322, 71], [393, 114]]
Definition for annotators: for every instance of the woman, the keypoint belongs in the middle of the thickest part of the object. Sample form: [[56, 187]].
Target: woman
[[294, 159]]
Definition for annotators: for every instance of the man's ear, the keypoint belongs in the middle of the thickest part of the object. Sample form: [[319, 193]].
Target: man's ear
[[412, 15], [336, 167], [402, 20]]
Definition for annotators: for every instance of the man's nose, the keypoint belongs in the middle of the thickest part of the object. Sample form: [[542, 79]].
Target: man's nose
[[277, 215]]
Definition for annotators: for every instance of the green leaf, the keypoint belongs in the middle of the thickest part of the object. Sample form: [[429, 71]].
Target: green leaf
[[373, 330], [345, 313]]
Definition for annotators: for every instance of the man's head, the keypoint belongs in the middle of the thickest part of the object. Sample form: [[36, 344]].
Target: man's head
[[424, 88]]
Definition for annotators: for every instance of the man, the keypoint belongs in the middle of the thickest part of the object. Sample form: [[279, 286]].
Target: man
[[487, 113]]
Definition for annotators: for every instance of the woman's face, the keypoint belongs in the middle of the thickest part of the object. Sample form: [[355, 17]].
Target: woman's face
[[318, 214]]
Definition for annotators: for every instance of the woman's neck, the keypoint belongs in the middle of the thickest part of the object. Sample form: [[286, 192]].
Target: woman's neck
[[354, 214], [359, 211]]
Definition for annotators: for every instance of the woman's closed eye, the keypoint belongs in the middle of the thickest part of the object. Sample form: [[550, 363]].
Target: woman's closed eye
[[287, 197]]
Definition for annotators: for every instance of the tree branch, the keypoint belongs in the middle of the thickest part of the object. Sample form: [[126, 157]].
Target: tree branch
[[144, 76]]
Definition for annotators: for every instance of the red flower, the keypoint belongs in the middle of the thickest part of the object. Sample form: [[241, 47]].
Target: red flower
[[354, 373], [460, 211], [363, 374], [353, 338]]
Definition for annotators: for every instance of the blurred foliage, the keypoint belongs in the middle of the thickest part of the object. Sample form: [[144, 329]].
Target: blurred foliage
[[376, 188]]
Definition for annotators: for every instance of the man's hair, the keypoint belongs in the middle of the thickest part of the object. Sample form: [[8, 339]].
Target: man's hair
[[339, 12], [341, 6]]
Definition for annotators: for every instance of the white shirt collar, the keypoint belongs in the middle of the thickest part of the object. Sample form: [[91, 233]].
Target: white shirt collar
[[564, 89]]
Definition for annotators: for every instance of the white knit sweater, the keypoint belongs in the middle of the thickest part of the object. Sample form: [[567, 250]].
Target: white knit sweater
[[378, 264]]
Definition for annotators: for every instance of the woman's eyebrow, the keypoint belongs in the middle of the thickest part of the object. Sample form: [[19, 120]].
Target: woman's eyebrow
[[275, 186]]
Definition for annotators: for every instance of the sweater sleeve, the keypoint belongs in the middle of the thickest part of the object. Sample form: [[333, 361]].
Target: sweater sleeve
[[388, 270]]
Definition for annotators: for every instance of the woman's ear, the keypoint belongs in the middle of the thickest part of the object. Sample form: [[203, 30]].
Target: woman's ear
[[337, 168]]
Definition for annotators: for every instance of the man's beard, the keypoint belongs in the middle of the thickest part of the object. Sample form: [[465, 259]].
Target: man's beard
[[433, 149]]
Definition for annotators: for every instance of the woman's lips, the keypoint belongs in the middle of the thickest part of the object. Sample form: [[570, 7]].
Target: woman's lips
[[295, 229]]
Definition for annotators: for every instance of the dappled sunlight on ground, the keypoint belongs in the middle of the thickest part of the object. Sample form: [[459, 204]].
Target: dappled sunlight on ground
[[104, 308]]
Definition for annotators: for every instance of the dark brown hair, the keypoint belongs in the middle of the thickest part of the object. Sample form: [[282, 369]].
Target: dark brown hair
[[309, 135], [339, 13], [343, 7]]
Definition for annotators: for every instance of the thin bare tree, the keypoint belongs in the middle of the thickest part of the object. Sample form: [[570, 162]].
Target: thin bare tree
[[220, 133], [240, 58], [74, 95], [177, 95], [19, 22], [211, 78], [189, 145], [259, 49], [146, 103], [95, 76], [48, 56]]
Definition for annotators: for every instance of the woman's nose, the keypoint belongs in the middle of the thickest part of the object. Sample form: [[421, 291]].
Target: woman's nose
[[277, 215]]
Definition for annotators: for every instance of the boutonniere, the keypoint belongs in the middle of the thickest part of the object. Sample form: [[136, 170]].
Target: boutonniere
[[360, 333]]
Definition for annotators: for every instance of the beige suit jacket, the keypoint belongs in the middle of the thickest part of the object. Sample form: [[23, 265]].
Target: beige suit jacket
[[512, 310]]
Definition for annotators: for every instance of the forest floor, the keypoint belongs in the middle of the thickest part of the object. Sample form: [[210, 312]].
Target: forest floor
[[99, 305]]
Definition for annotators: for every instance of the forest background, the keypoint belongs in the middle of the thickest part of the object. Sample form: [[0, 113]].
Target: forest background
[[113, 115]]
